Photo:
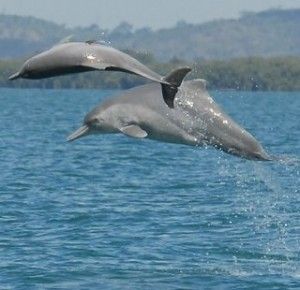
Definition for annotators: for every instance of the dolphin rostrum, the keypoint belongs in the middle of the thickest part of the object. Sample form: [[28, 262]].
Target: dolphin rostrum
[[76, 57], [195, 120]]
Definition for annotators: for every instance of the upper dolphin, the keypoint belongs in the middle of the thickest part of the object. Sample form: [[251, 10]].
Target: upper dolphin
[[75, 57], [195, 120]]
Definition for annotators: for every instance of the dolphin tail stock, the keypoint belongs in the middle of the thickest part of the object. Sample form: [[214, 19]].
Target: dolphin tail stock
[[173, 80]]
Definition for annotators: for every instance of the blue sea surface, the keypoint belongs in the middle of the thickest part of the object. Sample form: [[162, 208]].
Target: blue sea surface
[[112, 212]]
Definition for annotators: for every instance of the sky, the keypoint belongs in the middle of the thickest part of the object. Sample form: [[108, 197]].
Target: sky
[[140, 13]]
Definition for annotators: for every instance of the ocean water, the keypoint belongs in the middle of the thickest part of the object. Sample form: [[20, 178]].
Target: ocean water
[[111, 212]]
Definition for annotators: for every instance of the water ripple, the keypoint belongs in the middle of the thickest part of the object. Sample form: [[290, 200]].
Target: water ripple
[[110, 212]]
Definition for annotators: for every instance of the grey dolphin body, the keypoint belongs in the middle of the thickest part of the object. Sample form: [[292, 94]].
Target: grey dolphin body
[[196, 120], [76, 57]]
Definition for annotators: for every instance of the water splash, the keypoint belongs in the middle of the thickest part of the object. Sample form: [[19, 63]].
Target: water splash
[[262, 199]]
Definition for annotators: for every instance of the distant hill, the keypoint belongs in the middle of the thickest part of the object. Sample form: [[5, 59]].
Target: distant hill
[[268, 33]]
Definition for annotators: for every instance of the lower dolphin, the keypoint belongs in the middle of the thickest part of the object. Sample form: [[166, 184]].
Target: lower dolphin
[[195, 120]]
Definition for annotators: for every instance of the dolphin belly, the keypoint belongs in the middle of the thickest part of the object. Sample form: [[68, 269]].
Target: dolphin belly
[[162, 126], [58, 71], [173, 135]]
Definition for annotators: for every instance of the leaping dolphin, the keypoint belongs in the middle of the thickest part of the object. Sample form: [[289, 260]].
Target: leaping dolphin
[[195, 120], [76, 57]]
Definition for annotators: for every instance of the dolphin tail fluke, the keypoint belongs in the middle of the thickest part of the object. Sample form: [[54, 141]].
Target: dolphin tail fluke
[[174, 78]]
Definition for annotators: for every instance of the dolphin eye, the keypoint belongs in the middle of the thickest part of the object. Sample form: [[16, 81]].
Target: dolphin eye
[[91, 121]]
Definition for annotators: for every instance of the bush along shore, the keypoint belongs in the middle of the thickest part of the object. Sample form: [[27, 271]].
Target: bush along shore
[[253, 73]]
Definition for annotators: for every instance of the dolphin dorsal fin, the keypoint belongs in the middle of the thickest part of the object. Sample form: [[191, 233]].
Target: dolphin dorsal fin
[[174, 78], [134, 131]]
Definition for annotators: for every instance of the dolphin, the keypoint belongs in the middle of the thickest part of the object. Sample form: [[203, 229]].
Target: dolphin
[[76, 57], [196, 120]]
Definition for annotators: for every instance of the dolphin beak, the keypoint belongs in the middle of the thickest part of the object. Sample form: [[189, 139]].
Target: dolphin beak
[[15, 76], [82, 131]]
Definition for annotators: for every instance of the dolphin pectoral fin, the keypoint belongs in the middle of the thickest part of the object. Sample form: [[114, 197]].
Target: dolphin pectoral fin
[[134, 131], [103, 66], [174, 79], [90, 63]]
